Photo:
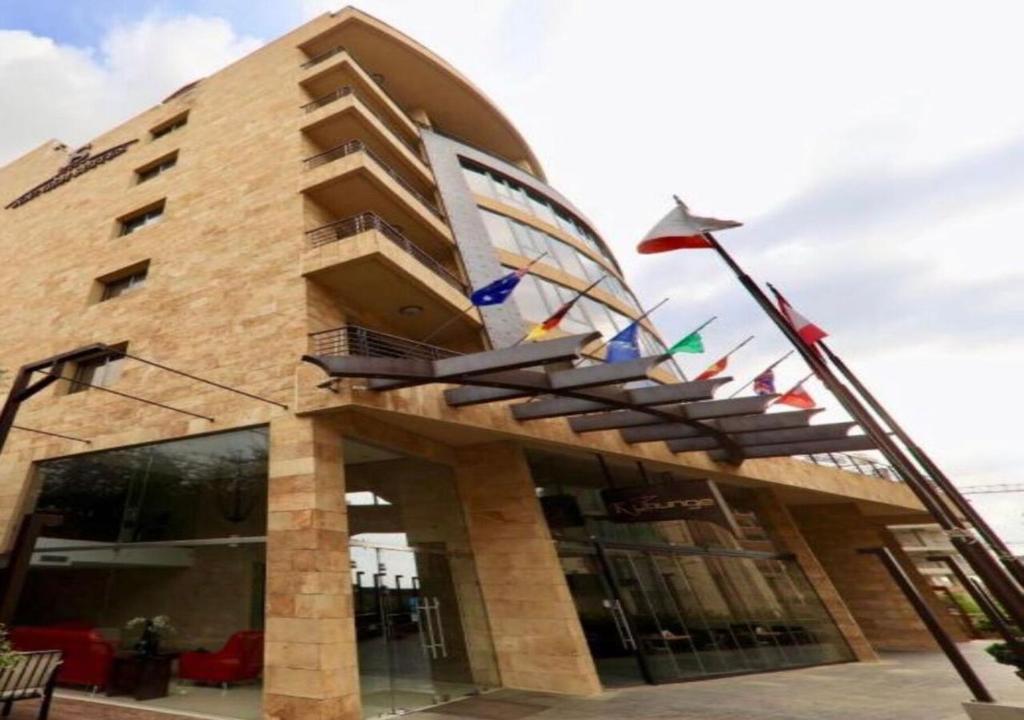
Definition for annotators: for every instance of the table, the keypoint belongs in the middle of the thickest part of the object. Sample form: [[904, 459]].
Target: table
[[144, 677]]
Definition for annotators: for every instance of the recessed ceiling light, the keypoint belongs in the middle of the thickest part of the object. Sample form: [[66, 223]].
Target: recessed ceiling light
[[410, 310]]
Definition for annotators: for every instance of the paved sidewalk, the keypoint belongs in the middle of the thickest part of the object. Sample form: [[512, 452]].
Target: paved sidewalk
[[903, 686]]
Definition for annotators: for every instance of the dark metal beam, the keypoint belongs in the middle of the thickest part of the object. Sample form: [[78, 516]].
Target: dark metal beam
[[724, 408], [612, 421], [677, 392], [808, 433], [738, 424], [846, 444]]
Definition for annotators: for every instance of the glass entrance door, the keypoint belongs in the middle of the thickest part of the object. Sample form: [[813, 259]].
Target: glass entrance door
[[663, 615], [412, 645]]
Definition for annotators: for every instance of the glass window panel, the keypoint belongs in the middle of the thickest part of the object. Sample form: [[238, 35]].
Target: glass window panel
[[499, 230], [550, 292], [568, 258], [541, 209], [479, 182], [530, 301], [599, 317], [591, 269]]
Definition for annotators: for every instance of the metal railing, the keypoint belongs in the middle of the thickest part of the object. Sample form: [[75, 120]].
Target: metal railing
[[348, 90], [355, 146], [364, 222], [358, 340], [316, 59], [853, 463]]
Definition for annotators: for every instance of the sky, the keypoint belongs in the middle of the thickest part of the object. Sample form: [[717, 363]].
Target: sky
[[874, 152]]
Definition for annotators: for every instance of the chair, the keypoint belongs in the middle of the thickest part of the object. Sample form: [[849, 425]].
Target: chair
[[240, 659], [87, 657], [32, 676]]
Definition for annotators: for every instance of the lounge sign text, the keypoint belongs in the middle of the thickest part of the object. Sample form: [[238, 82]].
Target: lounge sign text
[[675, 500], [80, 162]]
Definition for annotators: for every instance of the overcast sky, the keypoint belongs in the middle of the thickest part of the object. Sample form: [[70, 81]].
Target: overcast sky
[[874, 151]]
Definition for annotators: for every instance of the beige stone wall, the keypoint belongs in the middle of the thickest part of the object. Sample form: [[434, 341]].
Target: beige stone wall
[[835, 533], [537, 635]]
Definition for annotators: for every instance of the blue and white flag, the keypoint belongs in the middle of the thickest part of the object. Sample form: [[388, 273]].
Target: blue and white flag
[[623, 346], [498, 291]]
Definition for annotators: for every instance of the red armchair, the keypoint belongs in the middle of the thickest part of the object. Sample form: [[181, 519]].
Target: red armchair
[[87, 656], [241, 658]]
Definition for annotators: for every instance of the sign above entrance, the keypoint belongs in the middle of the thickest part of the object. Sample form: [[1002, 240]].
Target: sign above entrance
[[80, 161], [674, 500]]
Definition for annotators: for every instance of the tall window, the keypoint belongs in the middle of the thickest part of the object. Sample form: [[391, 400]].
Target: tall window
[[100, 371], [141, 219]]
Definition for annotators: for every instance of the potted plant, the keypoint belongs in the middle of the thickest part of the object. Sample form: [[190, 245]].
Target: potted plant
[[7, 655], [1006, 655], [153, 629]]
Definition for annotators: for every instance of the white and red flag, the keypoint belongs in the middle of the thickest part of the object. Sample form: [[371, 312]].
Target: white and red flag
[[680, 230], [808, 331]]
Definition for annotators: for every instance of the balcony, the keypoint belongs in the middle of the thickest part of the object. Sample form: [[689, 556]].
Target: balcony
[[365, 222], [383, 275], [361, 341], [353, 178], [320, 57], [343, 114]]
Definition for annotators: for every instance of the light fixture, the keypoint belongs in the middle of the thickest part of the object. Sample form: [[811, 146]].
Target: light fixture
[[410, 310]]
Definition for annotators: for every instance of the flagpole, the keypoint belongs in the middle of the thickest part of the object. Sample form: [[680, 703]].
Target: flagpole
[[994, 576], [449, 321], [770, 367], [1005, 555], [692, 332], [805, 379], [648, 312], [733, 351], [570, 303]]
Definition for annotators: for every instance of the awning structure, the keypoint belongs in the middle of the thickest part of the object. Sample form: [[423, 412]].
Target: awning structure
[[684, 415]]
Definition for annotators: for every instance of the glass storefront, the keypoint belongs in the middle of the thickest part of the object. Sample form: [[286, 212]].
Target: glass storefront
[[421, 629], [681, 599], [172, 536]]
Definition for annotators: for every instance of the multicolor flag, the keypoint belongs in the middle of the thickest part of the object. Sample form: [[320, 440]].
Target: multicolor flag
[[624, 345], [764, 384], [541, 329], [692, 343], [498, 291], [714, 369], [808, 331], [679, 229], [797, 397]]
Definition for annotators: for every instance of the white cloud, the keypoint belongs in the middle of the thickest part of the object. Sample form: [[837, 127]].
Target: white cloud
[[49, 90]]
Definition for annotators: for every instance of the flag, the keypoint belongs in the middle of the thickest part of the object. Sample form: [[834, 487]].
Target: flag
[[624, 345], [714, 369], [764, 384], [498, 291], [542, 329], [692, 343], [797, 397], [808, 331], [679, 229]]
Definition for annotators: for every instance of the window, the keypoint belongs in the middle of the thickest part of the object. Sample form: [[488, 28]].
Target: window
[[124, 281], [142, 218], [170, 126], [150, 171], [101, 371]]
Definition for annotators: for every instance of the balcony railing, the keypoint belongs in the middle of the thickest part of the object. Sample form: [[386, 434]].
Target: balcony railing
[[355, 146], [358, 340], [853, 463], [316, 59], [345, 91], [341, 229]]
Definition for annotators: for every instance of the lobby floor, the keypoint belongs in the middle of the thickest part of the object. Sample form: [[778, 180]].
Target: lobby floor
[[903, 686]]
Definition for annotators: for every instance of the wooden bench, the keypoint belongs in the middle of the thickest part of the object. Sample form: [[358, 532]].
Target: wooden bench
[[33, 676]]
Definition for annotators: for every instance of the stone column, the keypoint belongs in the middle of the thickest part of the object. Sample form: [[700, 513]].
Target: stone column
[[310, 667], [835, 533], [786, 533], [537, 635]]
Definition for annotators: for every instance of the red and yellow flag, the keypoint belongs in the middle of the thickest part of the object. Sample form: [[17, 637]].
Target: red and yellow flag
[[715, 368], [541, 329], [797, 397]]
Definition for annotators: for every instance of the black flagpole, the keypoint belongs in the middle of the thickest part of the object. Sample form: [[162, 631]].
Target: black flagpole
[[754, 379], [1008, 559], [992, 574], [726, 356]]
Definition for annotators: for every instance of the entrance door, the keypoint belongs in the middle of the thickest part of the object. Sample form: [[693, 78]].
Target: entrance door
[[412, 646]]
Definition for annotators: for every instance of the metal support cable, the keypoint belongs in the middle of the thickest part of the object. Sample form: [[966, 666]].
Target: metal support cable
[[202, 380], [51, 434], [135, 397]]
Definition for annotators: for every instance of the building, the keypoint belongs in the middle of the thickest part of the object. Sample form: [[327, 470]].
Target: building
[[340, 551]]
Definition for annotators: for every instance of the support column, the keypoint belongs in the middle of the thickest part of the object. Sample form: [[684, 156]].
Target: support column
[[835, 533], [537, 635], [789, 537], [310, 666]]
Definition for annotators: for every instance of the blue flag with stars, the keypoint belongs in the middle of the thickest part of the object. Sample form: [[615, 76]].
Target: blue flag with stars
[[498, 291], [623, 346]]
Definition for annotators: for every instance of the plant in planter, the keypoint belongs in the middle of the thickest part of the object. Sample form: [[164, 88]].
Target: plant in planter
[[153, 630], [1004, 654], [7, 654]]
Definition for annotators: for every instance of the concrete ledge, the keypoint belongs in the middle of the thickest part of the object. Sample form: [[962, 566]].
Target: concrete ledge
[[993, 711]]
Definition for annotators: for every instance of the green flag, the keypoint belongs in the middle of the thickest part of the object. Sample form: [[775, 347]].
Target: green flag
[[692, 343]]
